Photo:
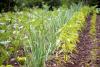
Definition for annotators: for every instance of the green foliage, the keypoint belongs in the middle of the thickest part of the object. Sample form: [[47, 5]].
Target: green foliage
[[69, 32], [98, 10], [92, 33], [12, 36], [67, 3], [93, 23], [15, 5], [39, 30], [18, 30]]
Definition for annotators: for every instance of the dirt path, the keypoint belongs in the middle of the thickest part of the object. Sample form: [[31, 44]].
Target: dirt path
[[98, 40]]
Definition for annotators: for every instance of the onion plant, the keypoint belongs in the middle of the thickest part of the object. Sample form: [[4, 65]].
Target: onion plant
[[43, 33]]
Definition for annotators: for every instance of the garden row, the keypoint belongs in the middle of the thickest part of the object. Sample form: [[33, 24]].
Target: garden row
[[28, 38], [87, 49], [70, 37]]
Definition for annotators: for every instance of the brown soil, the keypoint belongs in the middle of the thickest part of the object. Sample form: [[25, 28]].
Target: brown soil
[[98, 40]]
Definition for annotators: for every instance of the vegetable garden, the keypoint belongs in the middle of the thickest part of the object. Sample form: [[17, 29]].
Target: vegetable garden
[[65, 37]]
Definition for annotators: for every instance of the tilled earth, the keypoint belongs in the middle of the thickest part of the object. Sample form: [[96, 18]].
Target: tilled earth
[[88, 54]]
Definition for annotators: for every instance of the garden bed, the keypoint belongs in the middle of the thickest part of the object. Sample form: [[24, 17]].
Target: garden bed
[[83, 56], [39, 38]]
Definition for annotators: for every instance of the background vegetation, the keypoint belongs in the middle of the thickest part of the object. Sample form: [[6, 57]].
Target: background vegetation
[[7, 5]]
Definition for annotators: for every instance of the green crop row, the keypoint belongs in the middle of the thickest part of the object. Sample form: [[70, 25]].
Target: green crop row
[[93, 35], [69, 33], [93, 23]]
